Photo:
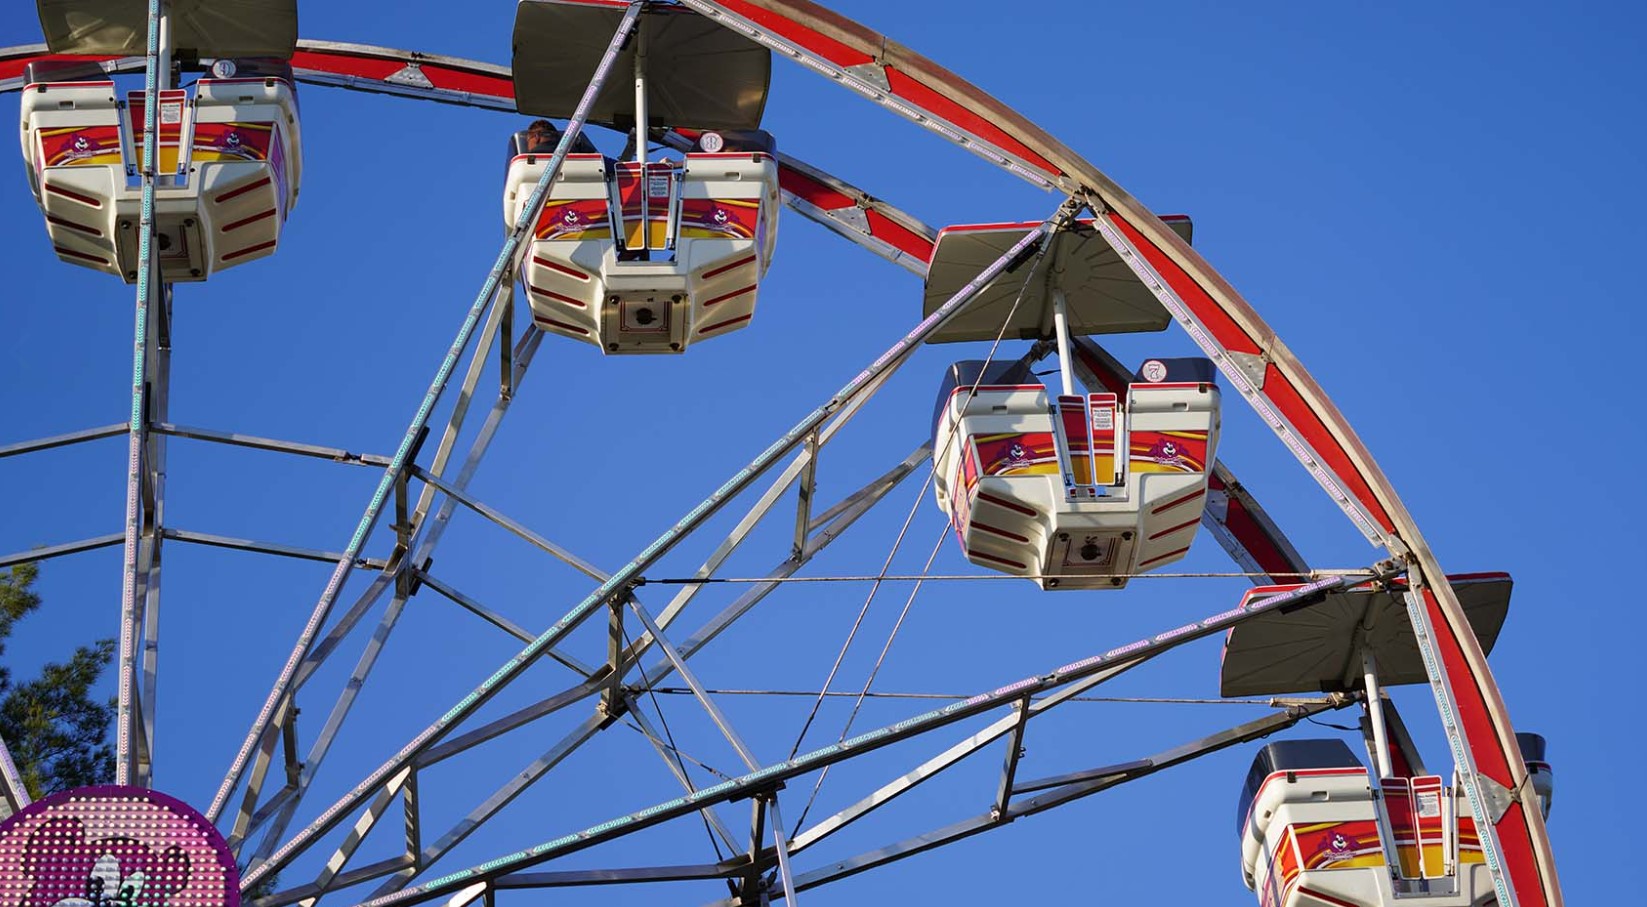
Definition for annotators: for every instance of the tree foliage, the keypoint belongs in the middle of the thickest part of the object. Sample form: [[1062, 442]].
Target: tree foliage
[[56, 729]]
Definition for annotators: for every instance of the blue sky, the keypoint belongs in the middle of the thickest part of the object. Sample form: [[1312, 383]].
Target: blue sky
[[1435, 207]]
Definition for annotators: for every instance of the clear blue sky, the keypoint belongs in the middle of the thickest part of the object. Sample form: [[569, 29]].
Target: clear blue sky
[[1436, 206]]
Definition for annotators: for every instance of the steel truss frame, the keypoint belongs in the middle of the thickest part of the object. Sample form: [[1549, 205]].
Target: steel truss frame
[[1216, 318], [1058, 685]]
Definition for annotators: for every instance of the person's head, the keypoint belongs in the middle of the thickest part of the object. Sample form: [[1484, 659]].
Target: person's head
[[540, 132]]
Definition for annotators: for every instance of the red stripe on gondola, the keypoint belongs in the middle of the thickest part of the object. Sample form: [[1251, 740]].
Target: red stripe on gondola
[[242, 253], [998, 560], [1163, 557], [725, 296], [999, 502], [248, 220], [1174, 529], [725, 324], [556, 266], [1324, 898], [236, 193], [80, 255], [1183, 500], [74, 196], [557, 296], [78, 228], [724, 268], [1000, 532], [560, 324]]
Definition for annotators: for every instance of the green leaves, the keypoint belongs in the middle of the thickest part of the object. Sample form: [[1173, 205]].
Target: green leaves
[[56, 730]]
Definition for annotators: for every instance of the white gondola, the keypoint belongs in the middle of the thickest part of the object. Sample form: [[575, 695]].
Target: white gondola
[[642, 256], [1074, 490], [1318, 829], [228, 148], [1078, 491], [647, 258]]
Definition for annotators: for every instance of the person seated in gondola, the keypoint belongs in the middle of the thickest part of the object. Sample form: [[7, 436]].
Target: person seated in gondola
[[542, 137]]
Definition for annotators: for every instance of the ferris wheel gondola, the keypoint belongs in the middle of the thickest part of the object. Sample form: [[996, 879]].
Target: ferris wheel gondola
[[228, 153], [635, 255]]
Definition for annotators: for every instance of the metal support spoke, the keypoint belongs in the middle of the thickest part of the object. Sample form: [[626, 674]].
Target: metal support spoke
[[678, 661], [235, 439], [63, 440], [873, 491], [51, 551], [497, 620], [505, 522], [672, 757], [307, 554], [504, 266]]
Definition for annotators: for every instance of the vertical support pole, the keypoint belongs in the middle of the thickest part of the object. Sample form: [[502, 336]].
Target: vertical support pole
[[1009, 767], [610, 702], [1375, 712], [403, 542], [13, 795], [1060, 323], [643, 116], [156, 77], [780, 843], [153, 532], [506, 343]]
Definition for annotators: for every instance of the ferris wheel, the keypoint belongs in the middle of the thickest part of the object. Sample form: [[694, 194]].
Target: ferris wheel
[[1081, 486]]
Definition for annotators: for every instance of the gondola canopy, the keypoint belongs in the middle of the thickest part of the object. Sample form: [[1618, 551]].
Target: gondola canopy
[[699, 74], [200, 28]]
